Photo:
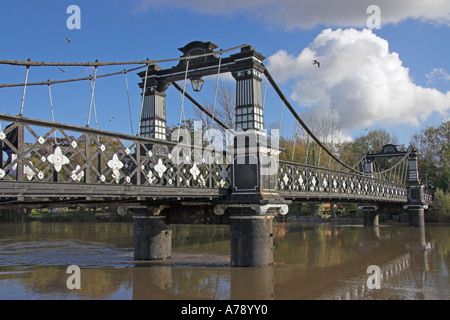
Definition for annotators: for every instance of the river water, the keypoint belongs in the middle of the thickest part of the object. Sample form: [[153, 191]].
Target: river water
[[312, 261]]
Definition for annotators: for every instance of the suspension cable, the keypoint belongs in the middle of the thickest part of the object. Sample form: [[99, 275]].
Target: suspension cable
[[129, 104], [198, 105], [217, 86], [92, 97], [66, 81], [297, 117], [30, 63], [295, 140], [182, 98], [51, 108], [265, 91], [398, 163], [24, 90], [144, 89], [103, 64], [281, 115], [307, 150], [95, 111]]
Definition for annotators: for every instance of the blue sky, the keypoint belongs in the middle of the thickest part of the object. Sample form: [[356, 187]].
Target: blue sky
[[402, 89]]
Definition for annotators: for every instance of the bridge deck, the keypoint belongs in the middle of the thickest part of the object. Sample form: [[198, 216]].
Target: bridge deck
[[88, 166]]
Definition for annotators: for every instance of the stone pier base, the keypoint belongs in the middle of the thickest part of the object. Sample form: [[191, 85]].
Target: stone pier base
[[370, 216], [416, 216], [152, 237], [251, 240]]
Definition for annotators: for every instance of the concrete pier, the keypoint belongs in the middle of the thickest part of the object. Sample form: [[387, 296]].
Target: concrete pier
[[152, 237], [416, 216], [370, 216], [251, 240]]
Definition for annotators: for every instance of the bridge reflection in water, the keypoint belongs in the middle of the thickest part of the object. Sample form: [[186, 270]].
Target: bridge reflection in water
[[314, 262], [311, 262]]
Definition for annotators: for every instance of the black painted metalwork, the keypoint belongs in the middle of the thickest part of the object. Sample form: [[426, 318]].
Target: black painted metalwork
[[304, 182], [86, 165], [59, 163]]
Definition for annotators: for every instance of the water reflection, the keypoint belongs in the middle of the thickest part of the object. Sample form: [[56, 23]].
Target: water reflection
[[311, 262]]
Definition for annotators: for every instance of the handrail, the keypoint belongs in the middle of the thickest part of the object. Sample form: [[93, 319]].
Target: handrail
[[338, 172]]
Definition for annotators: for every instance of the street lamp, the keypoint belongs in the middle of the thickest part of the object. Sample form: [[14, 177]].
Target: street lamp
[[197, 84]]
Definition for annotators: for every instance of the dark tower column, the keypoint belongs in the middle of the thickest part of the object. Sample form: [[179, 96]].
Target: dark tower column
[[248, 70], [368, 167], [416, 205], [153, 113], [413, 168], [255, 168]]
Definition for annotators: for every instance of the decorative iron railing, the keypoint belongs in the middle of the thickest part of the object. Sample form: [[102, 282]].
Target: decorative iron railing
[[427, 196], [77, 161], [299, 179], [52, 152]]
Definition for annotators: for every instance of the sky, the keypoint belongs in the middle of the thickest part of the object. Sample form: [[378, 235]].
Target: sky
[[384, 67]]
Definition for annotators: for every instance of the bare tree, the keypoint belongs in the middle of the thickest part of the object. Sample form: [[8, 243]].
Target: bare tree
[[224, 110], [227, 101], [326, 127]]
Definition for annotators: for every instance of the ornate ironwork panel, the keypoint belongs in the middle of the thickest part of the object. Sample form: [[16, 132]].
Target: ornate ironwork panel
[[308, 181], [52, 153], [49, 155]]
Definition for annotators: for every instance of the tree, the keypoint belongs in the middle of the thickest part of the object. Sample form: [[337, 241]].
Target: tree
[[373, 142], [302, 148], [225, 109], [433, 144], [440, 208]]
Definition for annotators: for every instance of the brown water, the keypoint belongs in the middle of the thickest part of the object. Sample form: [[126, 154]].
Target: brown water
[[311, 262]]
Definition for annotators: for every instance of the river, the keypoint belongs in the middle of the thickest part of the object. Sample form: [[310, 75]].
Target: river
[[312, 261]]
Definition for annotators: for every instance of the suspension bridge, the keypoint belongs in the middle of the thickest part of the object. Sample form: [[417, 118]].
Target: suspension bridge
[[239, 180]]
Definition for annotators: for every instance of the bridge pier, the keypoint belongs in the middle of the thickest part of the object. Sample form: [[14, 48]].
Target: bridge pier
[[370, 215], [251, 239], [416, 215], [152, 236]]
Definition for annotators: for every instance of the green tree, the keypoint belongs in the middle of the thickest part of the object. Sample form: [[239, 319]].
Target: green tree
[[433, 144], [440, 208], [373, 141]]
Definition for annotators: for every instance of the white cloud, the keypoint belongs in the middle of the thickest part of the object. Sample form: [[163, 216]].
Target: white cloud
[[293, 14], [437, 74], [359, 79]]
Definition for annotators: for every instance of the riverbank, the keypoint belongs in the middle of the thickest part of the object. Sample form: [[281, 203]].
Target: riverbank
[[65, 215], [113, 215], [319, 219]]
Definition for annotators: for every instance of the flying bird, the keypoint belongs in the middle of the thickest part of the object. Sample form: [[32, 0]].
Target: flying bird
[[316, 62], [62, 70], [68, 39], [111, 119]]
